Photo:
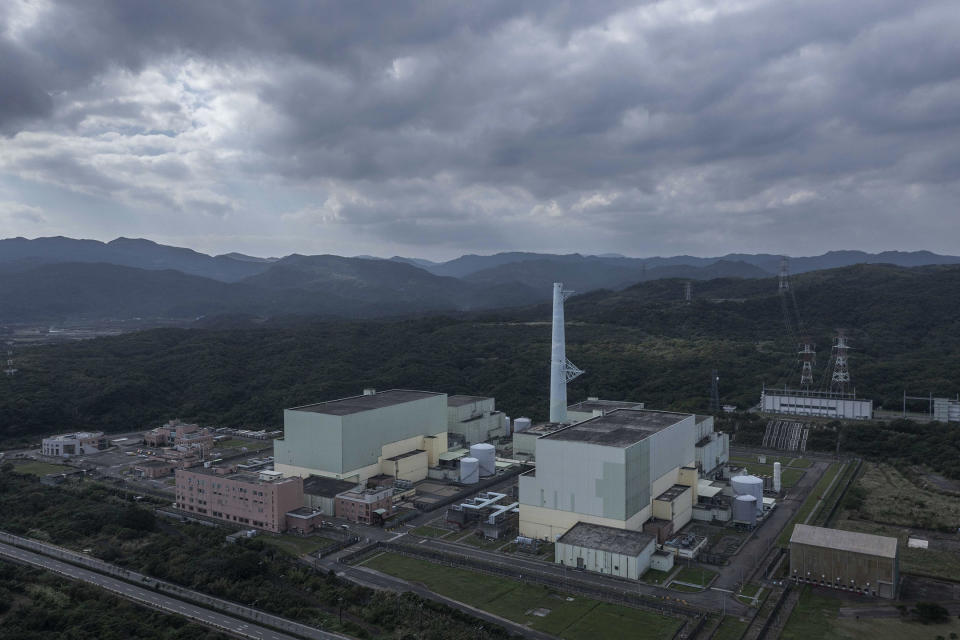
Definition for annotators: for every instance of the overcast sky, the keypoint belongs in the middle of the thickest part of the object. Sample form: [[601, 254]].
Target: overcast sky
[[433, 129]]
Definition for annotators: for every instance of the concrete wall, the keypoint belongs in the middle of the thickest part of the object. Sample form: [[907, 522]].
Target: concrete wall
[[549, 524], [469, 410], [827, 565], [617, 564], [412, 468], [481, 429], [525, 444]]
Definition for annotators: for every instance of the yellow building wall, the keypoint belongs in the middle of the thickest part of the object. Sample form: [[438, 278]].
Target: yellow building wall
[[690, 477], [435, 445], [662, 510], [546, 524], [412, 468], [392, 449]]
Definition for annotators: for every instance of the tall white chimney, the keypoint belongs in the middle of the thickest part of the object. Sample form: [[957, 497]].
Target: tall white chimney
[[562, 370]]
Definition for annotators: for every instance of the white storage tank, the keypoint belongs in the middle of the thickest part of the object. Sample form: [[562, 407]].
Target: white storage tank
[[521, 424], [776, 477], [745, 509], [469, 470], [486, 455], [749, 486]]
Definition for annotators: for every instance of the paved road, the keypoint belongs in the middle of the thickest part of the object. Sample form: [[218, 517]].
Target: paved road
[[219, 621], [764, 538]]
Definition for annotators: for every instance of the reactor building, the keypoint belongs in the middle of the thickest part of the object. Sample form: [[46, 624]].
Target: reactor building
[[399, 433]]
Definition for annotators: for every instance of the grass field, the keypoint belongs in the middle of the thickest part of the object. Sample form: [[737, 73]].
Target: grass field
[[928, 562], [695, 575], [571, 617], [749, 592], [815, 616], [41, 468], [652, 576], [890, 498], [731, 628], [809, 504], [296, 546]]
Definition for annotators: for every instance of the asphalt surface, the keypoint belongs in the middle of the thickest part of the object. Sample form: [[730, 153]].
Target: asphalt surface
[[151, 598]]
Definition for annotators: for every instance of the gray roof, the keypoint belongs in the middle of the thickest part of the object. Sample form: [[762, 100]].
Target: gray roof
[[326, 487], [595, 536], [672, 493], [865, 543], [459, 401], [619, 428], [358, 404], [605, 405]]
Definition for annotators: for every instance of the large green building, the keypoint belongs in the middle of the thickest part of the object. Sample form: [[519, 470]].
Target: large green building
[[399, 433]]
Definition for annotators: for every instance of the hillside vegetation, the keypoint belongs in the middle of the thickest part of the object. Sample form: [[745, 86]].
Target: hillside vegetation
[[643, 343]]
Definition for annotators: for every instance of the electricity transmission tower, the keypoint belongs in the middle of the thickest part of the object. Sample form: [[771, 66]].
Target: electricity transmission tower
[[840, 380]]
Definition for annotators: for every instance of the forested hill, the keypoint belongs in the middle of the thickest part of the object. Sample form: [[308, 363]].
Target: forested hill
[[644, 343]]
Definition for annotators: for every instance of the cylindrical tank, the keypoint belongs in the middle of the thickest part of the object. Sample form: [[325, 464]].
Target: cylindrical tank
[[486, 454], [749, 486], [521, 424], [745, 509], [506, 425], [469, 470], [776, 477]]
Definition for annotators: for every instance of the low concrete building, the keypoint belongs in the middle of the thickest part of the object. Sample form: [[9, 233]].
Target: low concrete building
[[365, 506], [475, 418], [608, 550], [525, 442], [713, 447], [155, 468], [180, 435], [74, 444], [846, 560], [304, 520], [246, 498], [320, 493], [675, 505]]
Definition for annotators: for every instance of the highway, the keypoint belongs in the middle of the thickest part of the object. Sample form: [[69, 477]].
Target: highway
[[225, 623]]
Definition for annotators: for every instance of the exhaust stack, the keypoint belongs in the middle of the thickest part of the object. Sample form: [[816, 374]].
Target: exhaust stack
[[562, 370]]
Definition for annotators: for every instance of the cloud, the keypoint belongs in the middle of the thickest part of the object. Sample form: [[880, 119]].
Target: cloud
[[21, 214], [695, 126]]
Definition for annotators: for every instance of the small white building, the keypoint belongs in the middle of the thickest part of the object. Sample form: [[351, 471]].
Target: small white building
[[946, 409], [608, 550], [74, 444]]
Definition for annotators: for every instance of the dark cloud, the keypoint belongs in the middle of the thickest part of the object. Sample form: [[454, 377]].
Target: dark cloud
[[485, 125]]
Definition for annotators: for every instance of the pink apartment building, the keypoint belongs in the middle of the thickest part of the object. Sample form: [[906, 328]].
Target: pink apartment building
[[256, 499]]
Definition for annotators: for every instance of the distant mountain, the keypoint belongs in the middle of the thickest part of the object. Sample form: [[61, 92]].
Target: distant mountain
[[770, 263], [417, 262], [589, 273], [233, 255], [139, 253]]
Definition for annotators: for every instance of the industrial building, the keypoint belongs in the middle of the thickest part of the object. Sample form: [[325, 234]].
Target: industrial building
[[946, 409], [594, 406], [525, 442], [74, 444], [713, 448], [320, 493], [609, 470], [365, 506], [181, 436], [241, 497], [476, 419], [824, 404], [609, 550], [398, 433], [859, 562]]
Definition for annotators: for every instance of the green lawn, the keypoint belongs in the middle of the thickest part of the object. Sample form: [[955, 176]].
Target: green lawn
[[731, 628], [809, 503], [748, 593], [801, 463], [571, 617], [41, 468], [431, 532], [652, 576], [695, 575], [815, 616], [295, 545]]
